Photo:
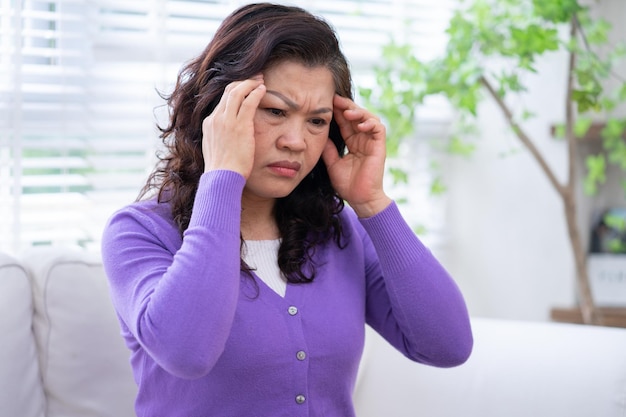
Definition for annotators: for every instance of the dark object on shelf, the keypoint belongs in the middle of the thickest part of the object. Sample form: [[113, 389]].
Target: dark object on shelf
[[609, 232]]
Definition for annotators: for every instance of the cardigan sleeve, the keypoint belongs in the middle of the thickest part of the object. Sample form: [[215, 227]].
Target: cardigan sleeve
[[178, 299], [411, 300]]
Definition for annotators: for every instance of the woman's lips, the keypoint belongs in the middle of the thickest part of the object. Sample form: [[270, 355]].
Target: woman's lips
[[285, 168]]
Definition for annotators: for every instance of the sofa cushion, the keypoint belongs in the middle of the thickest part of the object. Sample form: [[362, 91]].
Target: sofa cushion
[[84, 362], [21, 393], [517, 369]]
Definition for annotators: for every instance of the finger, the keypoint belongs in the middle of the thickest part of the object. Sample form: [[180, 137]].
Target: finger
[[373, 128], [221, 105], [236, 92], [343, 103], [359, 115], [368, 125], [355, 121], [345, 126], [251, 103], [351, 118], [351, 110]]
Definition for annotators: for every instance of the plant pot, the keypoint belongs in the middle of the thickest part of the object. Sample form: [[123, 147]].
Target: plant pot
[[607, 277]]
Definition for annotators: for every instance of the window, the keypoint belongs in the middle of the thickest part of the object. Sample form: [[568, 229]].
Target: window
[[79, 102]]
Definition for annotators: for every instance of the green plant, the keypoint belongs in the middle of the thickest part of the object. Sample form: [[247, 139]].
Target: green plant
[[493, 46], [615, 222]]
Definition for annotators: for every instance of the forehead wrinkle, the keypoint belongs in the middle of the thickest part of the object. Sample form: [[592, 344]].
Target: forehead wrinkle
[[294, 106]]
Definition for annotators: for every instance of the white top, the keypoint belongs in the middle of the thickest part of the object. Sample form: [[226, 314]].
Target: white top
[[262, 257]]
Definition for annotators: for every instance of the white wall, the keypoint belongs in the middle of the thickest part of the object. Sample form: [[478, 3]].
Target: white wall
[[507, 241]]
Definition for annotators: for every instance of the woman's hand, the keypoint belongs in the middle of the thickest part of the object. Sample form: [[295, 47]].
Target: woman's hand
[[228, 132], [358, 176]]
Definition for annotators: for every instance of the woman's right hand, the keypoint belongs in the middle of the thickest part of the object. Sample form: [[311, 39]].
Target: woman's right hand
[[228, 132]]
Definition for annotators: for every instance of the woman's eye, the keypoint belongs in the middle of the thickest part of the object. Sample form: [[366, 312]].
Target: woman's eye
[[318, 122], [275, 112]]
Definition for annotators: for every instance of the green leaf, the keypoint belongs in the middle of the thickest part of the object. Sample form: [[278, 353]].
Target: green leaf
[[581, 127], [509, 83], [366, 93], [457, 146], [615, 222], [559, 11], [596, 173], [586, 101], [402, 200], [615, 245], [613, 129], [622, 92], [608, 104], [437, 187], [420, 229], [597, 32], [398, 175], [559, 131], [527, 115], [617, 156]]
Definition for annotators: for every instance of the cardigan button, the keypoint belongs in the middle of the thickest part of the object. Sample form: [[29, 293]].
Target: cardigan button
[[301, 355], [293, 310], [300, 399]]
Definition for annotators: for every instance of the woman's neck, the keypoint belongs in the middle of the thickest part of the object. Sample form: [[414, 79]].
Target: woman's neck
[[258, 221]]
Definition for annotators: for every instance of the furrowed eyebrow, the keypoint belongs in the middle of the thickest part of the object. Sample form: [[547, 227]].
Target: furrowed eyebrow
[[294, 106]]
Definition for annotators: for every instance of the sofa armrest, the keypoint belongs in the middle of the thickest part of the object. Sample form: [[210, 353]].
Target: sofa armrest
[[21, 392], [517, 369]]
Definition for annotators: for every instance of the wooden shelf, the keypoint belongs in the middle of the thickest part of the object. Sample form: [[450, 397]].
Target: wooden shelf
[[612, 316]]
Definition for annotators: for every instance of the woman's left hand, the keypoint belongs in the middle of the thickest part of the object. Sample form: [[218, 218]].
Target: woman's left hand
[[358, 176]]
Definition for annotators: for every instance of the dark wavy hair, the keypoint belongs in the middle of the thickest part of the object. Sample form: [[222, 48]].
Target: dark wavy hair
[[251, 39]]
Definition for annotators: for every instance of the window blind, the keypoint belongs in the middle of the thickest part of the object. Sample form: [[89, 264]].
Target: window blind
[[79, 103]]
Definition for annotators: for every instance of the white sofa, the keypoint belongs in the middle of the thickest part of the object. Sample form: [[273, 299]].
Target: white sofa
[[61, 356]]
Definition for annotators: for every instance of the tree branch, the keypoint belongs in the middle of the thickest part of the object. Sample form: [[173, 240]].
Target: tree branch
[[583, 35], [587, 306], [572, 148], [524, 138], [579, 28]]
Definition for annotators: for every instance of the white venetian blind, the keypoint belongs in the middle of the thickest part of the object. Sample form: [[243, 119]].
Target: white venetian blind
[[79, 102]]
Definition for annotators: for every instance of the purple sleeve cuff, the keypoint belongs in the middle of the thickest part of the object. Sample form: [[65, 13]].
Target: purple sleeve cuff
[[218, 201]]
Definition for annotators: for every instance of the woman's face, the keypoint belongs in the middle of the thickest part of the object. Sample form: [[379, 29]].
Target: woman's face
[[291, 128]]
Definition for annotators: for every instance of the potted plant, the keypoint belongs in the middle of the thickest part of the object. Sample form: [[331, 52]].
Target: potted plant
[[607, 260], [491, 45]]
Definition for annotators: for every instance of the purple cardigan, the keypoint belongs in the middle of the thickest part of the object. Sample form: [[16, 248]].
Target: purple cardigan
[[207, 340]]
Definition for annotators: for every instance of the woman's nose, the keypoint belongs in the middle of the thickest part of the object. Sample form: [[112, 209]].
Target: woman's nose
[[292, 138]]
